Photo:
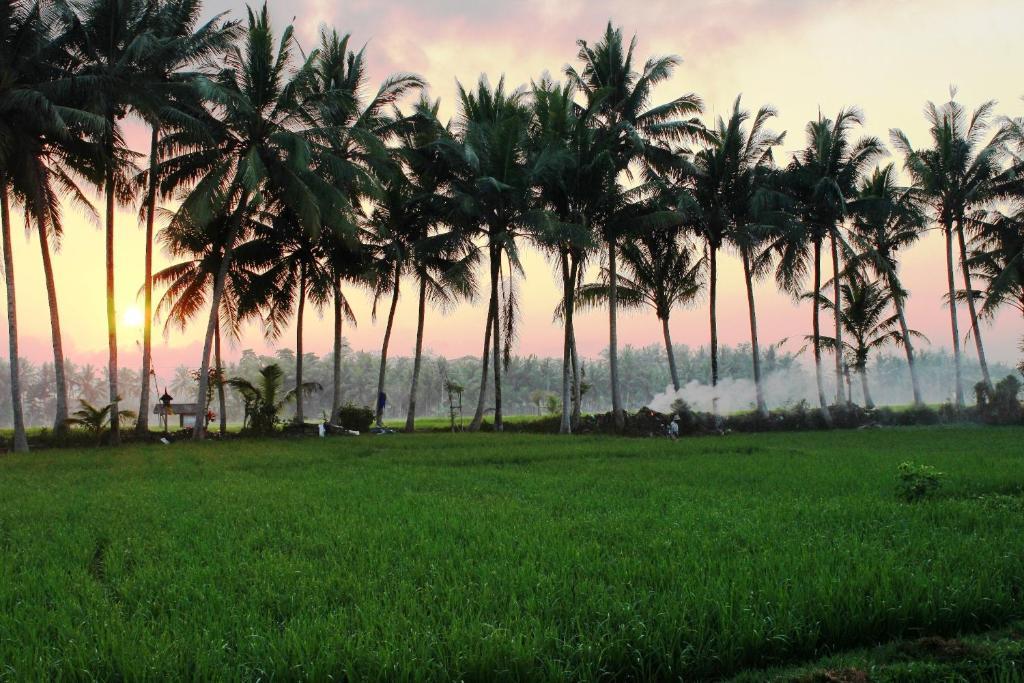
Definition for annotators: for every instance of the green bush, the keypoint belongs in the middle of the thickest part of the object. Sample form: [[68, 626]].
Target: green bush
[[999, 405], [357, 418], [917, 482]]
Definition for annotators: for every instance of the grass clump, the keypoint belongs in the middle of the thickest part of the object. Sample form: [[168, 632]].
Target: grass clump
[[917, 482]]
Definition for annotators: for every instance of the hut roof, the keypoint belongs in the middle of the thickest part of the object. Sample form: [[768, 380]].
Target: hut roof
[[177, 409]]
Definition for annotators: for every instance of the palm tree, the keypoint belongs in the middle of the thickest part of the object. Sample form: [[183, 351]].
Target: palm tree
[[442, 264], [26, 114], [346, 262], [183, 380], [492, 193], [661, 274], [49, 151], [998, 259], [299, 273], [189, 283], [20, 437], [728, 177], [863, 313], [887, 219], [441, 260], [955, 177], [353, 131], [575, 177], [110, 41], [263, 399], [823, 176], [45, 144], [633, 131], [258, 152], [392, 222], [52, 178], [96, 420], [182, 45]]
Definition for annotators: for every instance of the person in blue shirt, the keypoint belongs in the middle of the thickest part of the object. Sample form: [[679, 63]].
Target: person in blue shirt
[[382, 401]]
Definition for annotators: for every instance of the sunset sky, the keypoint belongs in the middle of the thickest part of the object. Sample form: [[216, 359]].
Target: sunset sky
[[798, 55]]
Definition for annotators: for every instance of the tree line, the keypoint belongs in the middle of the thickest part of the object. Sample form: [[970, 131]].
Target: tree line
[[533, 381], [285, 180]]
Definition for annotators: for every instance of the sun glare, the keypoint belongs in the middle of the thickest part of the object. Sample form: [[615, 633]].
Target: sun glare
[[133, 317]]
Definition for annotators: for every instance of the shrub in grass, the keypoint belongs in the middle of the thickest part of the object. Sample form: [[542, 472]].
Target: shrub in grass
[[358, 418], [1000, 404], [917, 482], [851, 416]]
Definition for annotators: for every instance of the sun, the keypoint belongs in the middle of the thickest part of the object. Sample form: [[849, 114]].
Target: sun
[[133, 317]]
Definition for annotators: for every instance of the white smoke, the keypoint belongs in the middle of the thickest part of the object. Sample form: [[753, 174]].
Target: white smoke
[[782, 388], [785, 388]]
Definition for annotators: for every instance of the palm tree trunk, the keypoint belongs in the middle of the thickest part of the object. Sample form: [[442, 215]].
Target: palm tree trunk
[[908, 346], [670, 353], [816, 333], [387, 340], [568, 290], [613, 338], [300, 415], [142, 424], [577, 379], [199, 430], [481, 403], [410, 419], [755, 349], [868, 402], [951, 283], [115, 428], [713, 306], [496, 341], [20, 437], [60, 421], [336, 377], [577, 388], [838, 325], [975, 327], [219, 368]]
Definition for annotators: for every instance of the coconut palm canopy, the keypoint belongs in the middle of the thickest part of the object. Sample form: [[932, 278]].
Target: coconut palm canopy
[[286, 168]]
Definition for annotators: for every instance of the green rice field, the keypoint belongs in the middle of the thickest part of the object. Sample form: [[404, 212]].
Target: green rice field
[[517, 557]]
